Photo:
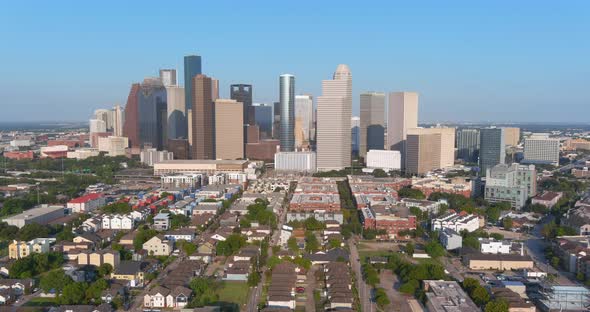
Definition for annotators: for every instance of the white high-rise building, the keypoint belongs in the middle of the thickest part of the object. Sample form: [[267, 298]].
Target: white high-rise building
[[334, 112], [118, 120], [176, 114], [97, 125], [372, 122], [105, 115], [540, 149], [168, 77], [402, 115], [303, 120]]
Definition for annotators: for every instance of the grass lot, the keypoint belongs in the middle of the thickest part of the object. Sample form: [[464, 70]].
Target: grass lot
[[234, 292], [41, 302], [363, 254]]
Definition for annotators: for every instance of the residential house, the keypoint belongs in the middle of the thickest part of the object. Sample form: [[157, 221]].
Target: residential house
[[158, 246], [162, 221], [21, 249], [130, 271], [186, 234]]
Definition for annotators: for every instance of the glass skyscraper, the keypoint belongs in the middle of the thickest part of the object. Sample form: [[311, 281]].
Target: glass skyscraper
[[152, 113], [192, 67], [264, 118], [287, 100], [243, 94], [492, 149], [468, 144]]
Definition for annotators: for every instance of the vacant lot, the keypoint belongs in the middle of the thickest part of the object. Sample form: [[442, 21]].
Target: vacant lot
[[234, 292]]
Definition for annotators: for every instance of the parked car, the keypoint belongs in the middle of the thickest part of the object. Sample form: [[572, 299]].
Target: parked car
[[300, 290]]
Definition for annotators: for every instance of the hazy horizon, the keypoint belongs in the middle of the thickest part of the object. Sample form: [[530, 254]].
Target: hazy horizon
[[470, 62]]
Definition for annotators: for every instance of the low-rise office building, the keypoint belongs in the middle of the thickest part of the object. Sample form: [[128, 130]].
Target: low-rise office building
[[456, 222], [199, 165], [41, 214], [445, 296]]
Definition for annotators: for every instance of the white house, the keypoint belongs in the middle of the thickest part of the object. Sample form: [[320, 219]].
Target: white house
[[180, 234], [118, 222]]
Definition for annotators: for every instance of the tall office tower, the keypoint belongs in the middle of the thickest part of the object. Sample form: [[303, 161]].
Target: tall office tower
[[422, 152], [429, 149], [118, 121], [402, 115], [468, 145], [229, 129], [203, 122], [214, 89], [264, 119], [303, 120], [131, 122], [492, 148], [333, 121], [192, 68], [97, 125], [355, 132], [511, 136], [105, 115], [287, 100], [372, 122], [152, 113], [276, 121], [540, 149], [176, 113], [243, 94], [168, 77]]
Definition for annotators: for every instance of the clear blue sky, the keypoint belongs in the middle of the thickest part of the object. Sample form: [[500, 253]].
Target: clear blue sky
[[469, 60]]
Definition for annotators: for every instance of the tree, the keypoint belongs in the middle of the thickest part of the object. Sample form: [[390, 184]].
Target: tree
[[292, 244], [54, 280], [471, 242], [507, 223], [31, 231], [408, 192], [497, 305], [493, 213], [73, 293], [105, 269], [469, 284], [273, 261], [334, 243], [188, 247], [94, 291], [253, 278], [434, 249], [480, 295], [311, 242], [497, 236], [381, 298], [409, 287], [370, 274], [379, 173], [409, 249]]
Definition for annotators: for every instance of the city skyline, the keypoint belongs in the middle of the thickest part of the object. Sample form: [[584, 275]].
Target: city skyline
[[501, 69]]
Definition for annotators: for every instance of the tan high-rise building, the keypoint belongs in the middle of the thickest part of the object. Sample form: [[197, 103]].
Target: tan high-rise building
[[118, 120], [203, 117], [229, 130], [402, 115], [372, 122], [214, 89], [511, 136], [429, 149], [422, 152], [303, 120], [333, 121]]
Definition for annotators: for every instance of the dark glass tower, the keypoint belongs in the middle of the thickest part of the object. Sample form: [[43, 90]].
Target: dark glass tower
[[264, 118], [192, 68], [492, 149], [152, 106], [243, 94]]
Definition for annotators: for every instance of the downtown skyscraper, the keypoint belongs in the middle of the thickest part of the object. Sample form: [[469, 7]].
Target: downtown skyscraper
[[334, 112], [402, 114], [468, 145], [372, 122], [287, 106], [303, 120], [192, 68], [492, 148], [203, 119], [243, 94]]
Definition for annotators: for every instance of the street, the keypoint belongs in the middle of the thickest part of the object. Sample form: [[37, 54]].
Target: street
[[367, 305]]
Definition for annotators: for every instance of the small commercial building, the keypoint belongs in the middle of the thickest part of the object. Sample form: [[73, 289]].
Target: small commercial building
[[295, 161], [498, 262], [87, 203]]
